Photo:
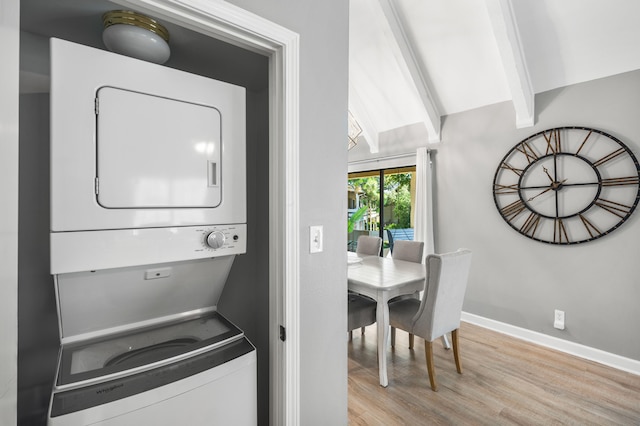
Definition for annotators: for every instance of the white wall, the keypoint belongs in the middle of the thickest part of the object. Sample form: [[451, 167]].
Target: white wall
[[323, 29], [9, 48], [519, 281]]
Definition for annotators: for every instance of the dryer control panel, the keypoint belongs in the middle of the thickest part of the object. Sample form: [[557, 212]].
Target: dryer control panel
[[222, 238], [94, 250]]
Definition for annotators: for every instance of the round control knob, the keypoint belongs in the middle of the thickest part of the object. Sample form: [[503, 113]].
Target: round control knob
[[215, 239]]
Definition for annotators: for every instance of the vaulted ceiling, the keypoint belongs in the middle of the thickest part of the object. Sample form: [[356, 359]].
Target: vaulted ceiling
[[411, 62]]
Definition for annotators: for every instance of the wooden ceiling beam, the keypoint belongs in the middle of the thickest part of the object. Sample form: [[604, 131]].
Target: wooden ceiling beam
[[514, 62], [414, 72]]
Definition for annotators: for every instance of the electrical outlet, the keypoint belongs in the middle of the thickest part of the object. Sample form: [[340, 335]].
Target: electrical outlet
[[315, 239], [558, 321]]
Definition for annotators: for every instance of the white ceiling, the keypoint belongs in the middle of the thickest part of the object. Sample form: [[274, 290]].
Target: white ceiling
[[413, 61]]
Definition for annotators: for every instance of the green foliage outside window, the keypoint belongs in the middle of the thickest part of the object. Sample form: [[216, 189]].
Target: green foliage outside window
[[355, 218], [397, 195]]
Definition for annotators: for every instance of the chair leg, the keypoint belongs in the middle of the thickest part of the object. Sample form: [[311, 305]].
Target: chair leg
[[361, 330], [410, 341], [445, 342], [428, 351], [393, 337], [350, 335], [456, 350]]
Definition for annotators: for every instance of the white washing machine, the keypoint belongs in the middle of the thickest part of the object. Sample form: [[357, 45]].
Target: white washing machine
[[148, 211], [133, 352]]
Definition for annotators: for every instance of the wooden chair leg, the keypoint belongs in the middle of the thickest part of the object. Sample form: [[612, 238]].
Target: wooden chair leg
[[361, 330], [456, 350], [393, 337], [410, 341], [428, 351]]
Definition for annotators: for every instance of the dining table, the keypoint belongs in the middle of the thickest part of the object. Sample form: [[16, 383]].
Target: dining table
[[383, 278]]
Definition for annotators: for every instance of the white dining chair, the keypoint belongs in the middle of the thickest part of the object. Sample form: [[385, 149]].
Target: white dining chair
[[440, 309]]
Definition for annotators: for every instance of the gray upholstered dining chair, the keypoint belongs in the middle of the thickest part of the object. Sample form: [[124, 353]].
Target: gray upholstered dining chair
[[362, 312], [368, 245], [440, 309], [358, 309], [411, 251]]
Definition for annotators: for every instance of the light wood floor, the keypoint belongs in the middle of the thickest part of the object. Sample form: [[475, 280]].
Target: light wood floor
[[505, 381]]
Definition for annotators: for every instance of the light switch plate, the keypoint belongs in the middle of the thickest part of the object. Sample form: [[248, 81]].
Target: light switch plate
[[316, 238], [558, 321]]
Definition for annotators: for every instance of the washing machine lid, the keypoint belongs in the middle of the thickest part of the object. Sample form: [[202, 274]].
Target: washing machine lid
[[92, 304], [128, 353]]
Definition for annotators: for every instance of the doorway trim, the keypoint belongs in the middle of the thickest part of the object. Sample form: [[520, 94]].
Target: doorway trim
[[229, 23]]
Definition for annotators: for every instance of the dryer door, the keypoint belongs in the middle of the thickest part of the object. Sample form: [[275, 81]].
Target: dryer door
[[155, 152]]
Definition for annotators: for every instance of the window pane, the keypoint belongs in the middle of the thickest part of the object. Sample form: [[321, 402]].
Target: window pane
[[363, 207], [363, 203], [399, 197]]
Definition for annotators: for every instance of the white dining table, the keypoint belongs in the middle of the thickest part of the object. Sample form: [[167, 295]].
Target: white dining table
[[382, 279]]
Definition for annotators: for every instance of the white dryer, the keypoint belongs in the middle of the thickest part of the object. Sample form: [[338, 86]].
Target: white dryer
[[148, 163], [148, 211]]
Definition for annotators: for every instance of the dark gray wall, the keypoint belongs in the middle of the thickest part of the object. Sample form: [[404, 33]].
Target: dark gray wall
[[37, 318], [245, 299]]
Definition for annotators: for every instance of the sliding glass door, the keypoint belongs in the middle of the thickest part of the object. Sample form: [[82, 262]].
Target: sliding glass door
[[380, 202]]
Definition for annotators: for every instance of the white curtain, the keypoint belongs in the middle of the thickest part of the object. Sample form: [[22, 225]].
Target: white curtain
[[424, 201]]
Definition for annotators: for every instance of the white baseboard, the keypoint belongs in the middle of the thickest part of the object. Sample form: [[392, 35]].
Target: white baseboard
[[612, 360]]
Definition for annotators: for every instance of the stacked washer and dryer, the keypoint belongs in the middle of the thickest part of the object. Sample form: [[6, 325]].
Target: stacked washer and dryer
[[148, 211]]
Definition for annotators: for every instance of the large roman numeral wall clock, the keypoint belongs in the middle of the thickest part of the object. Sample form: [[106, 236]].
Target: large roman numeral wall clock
[[567, 185]]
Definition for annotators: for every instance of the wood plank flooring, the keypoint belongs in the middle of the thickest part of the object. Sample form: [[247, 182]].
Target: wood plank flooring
[[505, 381]]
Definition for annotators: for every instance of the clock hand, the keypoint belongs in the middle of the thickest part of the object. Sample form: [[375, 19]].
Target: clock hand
[[547, 172], [583, 184], [536, 196], [554, 186]]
